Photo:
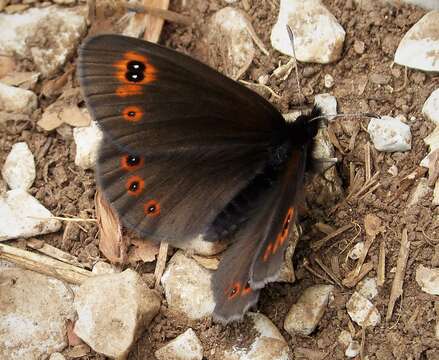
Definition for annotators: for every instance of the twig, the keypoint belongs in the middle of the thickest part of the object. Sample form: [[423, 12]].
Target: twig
[[161, 263], [381, 273], [63, 219], [262, 86], [363, 343], [318, 244], [351, 280], [44, 264], [315, 273], [328, 271], [161, 13], [372, 225], [53, 252], [367, 162], [403, 256]]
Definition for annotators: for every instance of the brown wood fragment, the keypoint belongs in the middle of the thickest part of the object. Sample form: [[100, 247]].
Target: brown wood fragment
[[397, 288], [352, 279], [158, 12], [161, 263], [44, 264]]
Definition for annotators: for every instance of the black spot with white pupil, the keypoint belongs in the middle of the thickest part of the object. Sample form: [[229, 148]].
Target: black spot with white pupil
[[133, 160], [131, 113], [151, 208], [134, 186], [136, 72], [234, 291]]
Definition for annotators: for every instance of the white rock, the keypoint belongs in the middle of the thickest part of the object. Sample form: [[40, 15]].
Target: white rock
[[329, 81], [54, 33], [426, 4], [17, 100], [368, 288], [428, 279], [305, 315], [356, 251], [419, 47], [353, 349], [57, 356], [186, 346], [187, 287], [87, 141], [431, 107], [113, 310], [229, 33], [268, 344], [345, 338], [33, 314], [362, 311], [390, 134], [328, 104], [19, 167], [23, 216], [102, 268], [393, 170], [318, 37], [432, 141]]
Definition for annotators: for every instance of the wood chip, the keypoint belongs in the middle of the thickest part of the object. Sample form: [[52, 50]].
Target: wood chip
[[324, 228], [352, 279], [161, 263], [397, 288], [160, 13], [111, 242], [142, 250]]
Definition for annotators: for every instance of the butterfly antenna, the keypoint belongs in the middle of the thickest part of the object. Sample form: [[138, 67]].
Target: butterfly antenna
[[291, 36]]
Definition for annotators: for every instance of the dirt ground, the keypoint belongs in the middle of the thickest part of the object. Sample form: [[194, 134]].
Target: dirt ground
[[364, 81]]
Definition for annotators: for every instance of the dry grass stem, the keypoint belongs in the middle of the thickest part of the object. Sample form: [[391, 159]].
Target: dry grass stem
[[44, 265], [397, 285], [381, 272], [158, 12], [318, 244]]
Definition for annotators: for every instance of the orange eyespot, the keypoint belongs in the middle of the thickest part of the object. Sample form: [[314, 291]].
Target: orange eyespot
[[135, 185], [233, 291], [152, 208], [134, 68], [131, 162], [132, 113]]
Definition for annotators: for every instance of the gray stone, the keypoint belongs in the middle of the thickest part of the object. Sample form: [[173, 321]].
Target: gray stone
[[33, 314], [113, 310]]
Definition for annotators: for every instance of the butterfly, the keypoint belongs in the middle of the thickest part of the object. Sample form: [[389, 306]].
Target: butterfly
[[188, 151]]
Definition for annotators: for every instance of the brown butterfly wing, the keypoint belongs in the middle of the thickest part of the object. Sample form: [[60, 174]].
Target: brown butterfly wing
[[258, 247]]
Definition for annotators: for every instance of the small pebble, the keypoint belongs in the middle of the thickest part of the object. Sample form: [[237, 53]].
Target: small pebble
[[428, 279], [19, 167], [305, 315], [362, 311], [186, 346], [390, 134], [329, 81], [359, 47], [87, 141], [17, 100], [431, 107]]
